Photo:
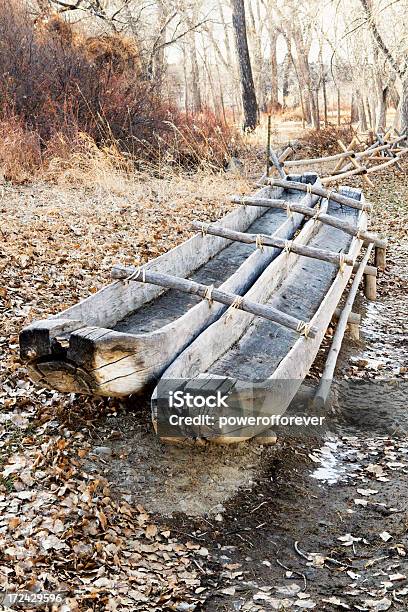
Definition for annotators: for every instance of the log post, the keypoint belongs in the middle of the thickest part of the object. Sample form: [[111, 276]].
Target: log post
[[370, 287], [354, 331], [381, 258]]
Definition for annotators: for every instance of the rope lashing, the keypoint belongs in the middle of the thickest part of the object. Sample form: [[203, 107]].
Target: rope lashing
[[359, 235], [135, 275], [318, 212], [288, 246], [329, 195], [342, 263], [204, 229], [208, 295], [289, 210], [259, 243], [309, 189], [303, 329], [236, 305]]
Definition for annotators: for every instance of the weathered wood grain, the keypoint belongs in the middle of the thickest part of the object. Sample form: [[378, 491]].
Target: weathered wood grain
[[286, 359]]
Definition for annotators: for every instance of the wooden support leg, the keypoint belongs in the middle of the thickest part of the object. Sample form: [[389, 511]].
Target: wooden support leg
[[370, 287], [380, 258]]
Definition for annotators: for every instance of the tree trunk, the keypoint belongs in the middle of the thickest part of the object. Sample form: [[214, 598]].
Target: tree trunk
[[247, 81], [326, 110], [368, 112], [285, 83], [274, 71], [195, 77], [362, 117], [317, 110], [354, 112], [404, 105], [338, 107]]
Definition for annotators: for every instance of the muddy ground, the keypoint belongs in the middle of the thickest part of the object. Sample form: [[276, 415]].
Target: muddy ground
[[118, 521]]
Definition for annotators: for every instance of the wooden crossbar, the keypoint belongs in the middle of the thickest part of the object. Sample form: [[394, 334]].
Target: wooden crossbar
[[142, 275], [268, 241], [322, 193], [346, 227]]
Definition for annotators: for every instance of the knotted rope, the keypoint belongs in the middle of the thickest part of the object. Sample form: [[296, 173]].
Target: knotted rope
[[309, 189], [303, 329], [289, 210], [204, 229], [342, 263], [208, 295], [236, 305], [329, 195], [136, 274], [288, 246], [259, 243], [318, 212]]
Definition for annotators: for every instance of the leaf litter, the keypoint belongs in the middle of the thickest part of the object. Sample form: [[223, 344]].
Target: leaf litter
[[61, 526]]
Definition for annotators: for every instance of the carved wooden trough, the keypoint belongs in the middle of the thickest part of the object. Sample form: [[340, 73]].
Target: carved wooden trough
[[122, 338], [244, 349]]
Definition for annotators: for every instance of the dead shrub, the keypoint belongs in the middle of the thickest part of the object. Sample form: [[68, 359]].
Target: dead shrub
[[20, 152], [323, 142], [61, 85]]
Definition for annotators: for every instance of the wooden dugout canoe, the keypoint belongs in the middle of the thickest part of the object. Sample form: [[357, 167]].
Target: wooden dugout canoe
[[260, 364], [123, 337]]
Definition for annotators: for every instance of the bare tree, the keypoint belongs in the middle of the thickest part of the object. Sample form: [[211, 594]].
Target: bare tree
[[401, 71], [247, 81]]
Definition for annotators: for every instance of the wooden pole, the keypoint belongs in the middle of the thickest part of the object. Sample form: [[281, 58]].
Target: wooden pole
[[340, 163], [288, 151], [369, 270], [131, 274], [354, 331], [339, 177], [268, 241], [322, 193], [317, 160], [349, 228], [353, 319], [356, 164], [391, 162], [276, 163], [327, 377]]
